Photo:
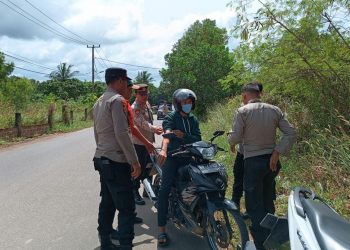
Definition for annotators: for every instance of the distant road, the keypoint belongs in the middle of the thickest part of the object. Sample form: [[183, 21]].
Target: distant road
[[49, 195]]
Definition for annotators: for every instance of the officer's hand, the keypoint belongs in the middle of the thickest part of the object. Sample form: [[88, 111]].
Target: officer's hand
[[162, 157], [136, 170], [274, 160], [179, 133], [158, 130], [150, 148], [233, 148]]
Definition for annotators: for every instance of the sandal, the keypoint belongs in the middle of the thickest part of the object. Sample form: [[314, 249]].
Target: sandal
[[163, 240]]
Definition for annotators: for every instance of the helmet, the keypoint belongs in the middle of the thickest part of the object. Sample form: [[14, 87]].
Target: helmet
[[183, 94]]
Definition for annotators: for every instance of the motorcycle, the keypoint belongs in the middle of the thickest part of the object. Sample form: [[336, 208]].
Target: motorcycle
[[197, 200], [310, 224]]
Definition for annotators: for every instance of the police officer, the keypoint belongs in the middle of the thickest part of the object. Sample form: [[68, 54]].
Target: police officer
[[185, 126], [143, 119], [255, 125], [116, 160], [238, 170]]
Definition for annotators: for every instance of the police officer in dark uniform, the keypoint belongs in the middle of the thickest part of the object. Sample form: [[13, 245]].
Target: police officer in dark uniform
[[116, 160], [255, 126]]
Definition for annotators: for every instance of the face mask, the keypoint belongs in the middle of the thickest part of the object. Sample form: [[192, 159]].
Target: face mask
[[186, 108]]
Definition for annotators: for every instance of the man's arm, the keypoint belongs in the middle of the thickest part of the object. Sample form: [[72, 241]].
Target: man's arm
[[121, 130], [288, 136], [95, 134], [141, 122], [136, 132], [95, 130], [235, 136], [168, 126]]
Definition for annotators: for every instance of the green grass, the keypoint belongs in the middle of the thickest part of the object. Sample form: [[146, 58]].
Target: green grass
[[76, 125], [320, 163], [37, 113]]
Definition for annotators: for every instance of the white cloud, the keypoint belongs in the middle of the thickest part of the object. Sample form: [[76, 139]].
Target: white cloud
[[120, 26]]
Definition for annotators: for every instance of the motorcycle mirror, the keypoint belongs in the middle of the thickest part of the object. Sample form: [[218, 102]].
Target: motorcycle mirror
[[218, 133]]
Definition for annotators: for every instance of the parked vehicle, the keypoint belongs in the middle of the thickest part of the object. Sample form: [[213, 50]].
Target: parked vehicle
[[163, 110], [197, 200], [310, 224]]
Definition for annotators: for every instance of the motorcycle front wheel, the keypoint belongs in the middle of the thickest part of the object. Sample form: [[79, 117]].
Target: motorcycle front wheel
[[225, 229]]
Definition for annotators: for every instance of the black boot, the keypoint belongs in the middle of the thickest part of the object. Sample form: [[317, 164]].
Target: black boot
[[138, 198], [106, 243]]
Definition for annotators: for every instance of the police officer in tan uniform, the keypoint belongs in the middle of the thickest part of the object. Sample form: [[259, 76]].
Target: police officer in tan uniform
[[143, 119], [255, 125], [238, 170], [116, 160]]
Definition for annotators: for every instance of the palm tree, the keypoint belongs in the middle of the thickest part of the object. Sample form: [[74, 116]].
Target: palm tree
[[144, 77], [63, 72]]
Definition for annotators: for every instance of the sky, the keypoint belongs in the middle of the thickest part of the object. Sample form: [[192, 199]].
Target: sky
[[136, 32]]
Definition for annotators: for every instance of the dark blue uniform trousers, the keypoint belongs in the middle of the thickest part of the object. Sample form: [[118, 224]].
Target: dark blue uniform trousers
[[259, 188], [116, 194]]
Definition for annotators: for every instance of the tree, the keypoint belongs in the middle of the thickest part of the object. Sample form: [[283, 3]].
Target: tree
[[198, 61], [144, 77], [299, 50], [70, 89], [18, 92], [5, 68], [63, 72]]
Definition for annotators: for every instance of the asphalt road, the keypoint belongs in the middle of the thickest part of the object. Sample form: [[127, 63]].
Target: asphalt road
[[49, 196]]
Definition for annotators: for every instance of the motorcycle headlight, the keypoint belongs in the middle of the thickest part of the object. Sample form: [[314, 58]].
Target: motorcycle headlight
[[207, 153]]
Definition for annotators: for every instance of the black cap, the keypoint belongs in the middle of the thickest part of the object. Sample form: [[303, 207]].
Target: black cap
[[252, 87], [114, 74]]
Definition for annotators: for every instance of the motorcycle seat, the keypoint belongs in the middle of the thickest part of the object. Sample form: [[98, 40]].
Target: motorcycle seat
[[331, 230]]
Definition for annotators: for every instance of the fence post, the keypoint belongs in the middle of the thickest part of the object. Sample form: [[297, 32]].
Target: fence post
[[85, 114], [71, 116], [50, 115], [65, 115], [18, 124]]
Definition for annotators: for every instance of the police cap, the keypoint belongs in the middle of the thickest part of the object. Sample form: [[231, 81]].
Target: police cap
[[253, 87], [113, 74]]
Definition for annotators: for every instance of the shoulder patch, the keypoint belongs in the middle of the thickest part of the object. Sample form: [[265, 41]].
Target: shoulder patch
[[125, 106]]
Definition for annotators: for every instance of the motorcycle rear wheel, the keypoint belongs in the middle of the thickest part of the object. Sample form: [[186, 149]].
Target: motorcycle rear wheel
[[225, 229]]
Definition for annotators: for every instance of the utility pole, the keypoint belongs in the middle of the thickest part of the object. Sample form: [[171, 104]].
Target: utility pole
[[93, 62]]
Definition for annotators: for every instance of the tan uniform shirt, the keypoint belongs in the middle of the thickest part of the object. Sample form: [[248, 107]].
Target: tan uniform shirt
[[111, 128], [255, 126], [143, 119]]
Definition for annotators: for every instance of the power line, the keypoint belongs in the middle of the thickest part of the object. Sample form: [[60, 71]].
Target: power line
[[30, 70], [58, 23], [49, 27], [28, 61], [128, 64], [31, 62], [39, 23], [105, 65], [105, 56]]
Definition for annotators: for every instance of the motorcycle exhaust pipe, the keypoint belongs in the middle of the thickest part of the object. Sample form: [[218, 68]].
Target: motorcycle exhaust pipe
[[149, 190]]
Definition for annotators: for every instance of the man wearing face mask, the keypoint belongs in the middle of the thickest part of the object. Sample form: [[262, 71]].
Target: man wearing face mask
[[255, 125], [185, 126]]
